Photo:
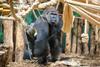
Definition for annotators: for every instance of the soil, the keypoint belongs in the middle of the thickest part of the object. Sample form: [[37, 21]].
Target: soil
[[65, 61]]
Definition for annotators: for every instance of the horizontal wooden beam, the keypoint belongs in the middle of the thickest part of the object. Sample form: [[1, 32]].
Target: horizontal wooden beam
[[95, 7], [88, 17], [8, 6], [7, 18]]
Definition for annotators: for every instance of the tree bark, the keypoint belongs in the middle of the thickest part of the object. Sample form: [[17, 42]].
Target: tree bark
[[79, 45], [3, 58], [74, 36], [68, 42], [8, 37], [99, 42], [19, 45], [92, 48]]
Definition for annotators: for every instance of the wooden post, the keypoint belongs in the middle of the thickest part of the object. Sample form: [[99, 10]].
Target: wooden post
[[68, 42], [8, 37], [85, 31], [79, 45], [86, 43], [99, 41], [97, 32], [67, 23], [3, 58], [19, 45], [92, 48], [74, 36]]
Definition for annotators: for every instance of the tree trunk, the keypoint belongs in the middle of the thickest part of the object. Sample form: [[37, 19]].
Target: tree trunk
[[79, 45], [92, 48], [3, 55], [8, 37], [74, 36], [99, 42], [84, 40], [3, 58], [85, 48], [19, 45], [68, 42]]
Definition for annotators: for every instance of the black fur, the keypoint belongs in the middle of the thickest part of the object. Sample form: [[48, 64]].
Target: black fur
[[48, 28]]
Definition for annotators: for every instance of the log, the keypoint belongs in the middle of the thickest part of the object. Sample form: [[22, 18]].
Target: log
[[67, 18], [3, 55], [8, 37], [97, 2], [71, 38], [85, 44], [92, 48], [6, 18], [98, 42], [3, 58], [79, 45], [74, 37], [96, 7], [85, 48], [89, 18], [68, 42], [19, 45], [95, 16]]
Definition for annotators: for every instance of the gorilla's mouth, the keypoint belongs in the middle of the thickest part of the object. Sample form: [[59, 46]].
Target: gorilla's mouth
[[53, 24]]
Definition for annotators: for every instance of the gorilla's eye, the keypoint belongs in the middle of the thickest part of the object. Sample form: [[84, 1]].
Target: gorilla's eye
[[53, 14]]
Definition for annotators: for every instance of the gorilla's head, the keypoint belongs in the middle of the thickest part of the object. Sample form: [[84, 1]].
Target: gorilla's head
[[52, 15]]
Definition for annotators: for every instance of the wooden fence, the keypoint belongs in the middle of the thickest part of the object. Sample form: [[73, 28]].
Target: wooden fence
[[13, 47], [81, 43], [14, 41]]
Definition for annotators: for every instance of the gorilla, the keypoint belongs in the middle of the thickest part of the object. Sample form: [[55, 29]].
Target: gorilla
[[44, 36]]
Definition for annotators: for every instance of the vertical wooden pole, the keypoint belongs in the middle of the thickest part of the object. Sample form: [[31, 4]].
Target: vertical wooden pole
[[79, 45], [8, 37], [68, 42], [67, 22], [99, 41], [92, 48], [86, 43], [74, 36], [72, 32], [85, 31], [19, 46]]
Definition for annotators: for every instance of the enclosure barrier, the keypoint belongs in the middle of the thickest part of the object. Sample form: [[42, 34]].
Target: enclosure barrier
[[82, 44], [6, 49]]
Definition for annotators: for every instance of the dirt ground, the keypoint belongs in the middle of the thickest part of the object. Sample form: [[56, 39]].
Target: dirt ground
[[65, 61]]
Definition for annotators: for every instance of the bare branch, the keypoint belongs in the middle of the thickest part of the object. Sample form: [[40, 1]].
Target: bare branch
[[49, 3], [12, 10], [30, 8]]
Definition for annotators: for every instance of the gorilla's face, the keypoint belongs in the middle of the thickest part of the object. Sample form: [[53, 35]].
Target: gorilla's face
[[52, 16]]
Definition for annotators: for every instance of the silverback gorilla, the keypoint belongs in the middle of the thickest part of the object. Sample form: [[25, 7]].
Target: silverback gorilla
[[44, 36]]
